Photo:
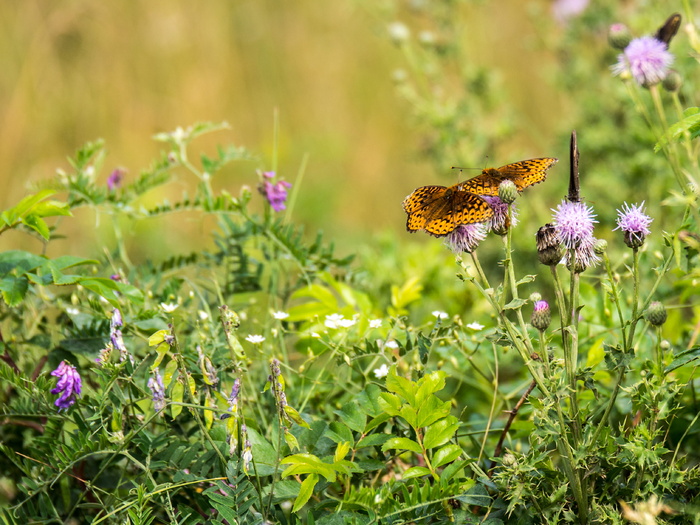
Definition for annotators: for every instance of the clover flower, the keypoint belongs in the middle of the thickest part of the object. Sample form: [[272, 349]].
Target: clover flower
[[646, 59], [157, 390], [69, 385], [276, 194], [466, 238], [634, 223]]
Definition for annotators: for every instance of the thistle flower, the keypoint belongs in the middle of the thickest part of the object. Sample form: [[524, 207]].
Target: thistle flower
[[500, 222], [634, 223], [276, 194], [157, 390], [541, 316], [69, 385], [466, 238], [647, 59], [574, 226]]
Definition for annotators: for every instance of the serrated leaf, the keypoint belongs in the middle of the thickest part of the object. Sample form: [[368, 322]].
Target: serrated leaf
[[446, 454], [14, 289], [305, 492], [683, 358], [352, 416], [515, 304], [373, 440], [36, 223], [402, 443], [416, 472], [440, 432]]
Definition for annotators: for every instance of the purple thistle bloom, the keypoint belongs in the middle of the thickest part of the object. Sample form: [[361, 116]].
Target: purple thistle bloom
[[500, 222], [574, 225], [158, 390], [647, 59], [573, 222], [114, 181], [634, 223], [69, 385], [466, 238], [541, 315]]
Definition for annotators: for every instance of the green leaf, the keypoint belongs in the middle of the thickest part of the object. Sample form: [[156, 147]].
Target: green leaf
[[305, 492], [373, 440], [14, 289], [689, 124], [341, 451], [19, 261], [440, 432], [389, 403], [402, 443], [432, 410], [446, 454], [294, 416], [352, 416], [177, 395], [683, 358], [428, 385], [515, 304], [415, 472], [36, 223]]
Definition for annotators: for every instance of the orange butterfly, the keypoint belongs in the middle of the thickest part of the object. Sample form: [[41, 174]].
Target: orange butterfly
[[439, 210]]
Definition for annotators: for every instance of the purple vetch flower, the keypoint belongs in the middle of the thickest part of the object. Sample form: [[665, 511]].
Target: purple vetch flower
[[115, 335], [634, 223], [247, 455], [233, 398], [69, 385], [647, 59], [115, 179], [564, 10], [158, 390], [466, 238], [276, 194], [573, 223], [500, 222]]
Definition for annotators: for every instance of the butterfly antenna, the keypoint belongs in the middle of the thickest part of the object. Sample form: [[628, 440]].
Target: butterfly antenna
[[574, 182]]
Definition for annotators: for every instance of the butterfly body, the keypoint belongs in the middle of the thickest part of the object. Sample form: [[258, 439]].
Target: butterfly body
[[439, 210]]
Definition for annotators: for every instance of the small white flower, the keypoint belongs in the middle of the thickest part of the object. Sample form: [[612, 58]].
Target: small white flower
[[375, 323], [439, 315], [280, 315], [382, 371], [314, 334], [333, 320], [203, 315], [72, 311], [399, 32], [255, 339], [475, 326], [169, 307], [391, 344], [346, 323]]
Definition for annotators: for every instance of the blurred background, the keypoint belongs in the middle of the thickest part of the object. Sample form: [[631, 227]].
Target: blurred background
[[379, 97]]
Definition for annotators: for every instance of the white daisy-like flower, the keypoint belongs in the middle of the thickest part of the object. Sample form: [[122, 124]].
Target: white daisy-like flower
[[382, 371], [475, 326], [169, 307], [439, 315], [255, 339], [375, 323], [346, 323], [333, 320], [391, 344], [280, 315]]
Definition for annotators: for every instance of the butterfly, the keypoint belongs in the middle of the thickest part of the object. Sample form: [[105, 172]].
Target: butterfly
[[667, 31], [439, 210]]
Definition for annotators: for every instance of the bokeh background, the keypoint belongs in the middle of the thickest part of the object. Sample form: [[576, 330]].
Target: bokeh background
[[336, 77]]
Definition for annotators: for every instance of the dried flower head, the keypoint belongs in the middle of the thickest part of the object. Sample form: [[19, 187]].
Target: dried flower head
[[549, 248]]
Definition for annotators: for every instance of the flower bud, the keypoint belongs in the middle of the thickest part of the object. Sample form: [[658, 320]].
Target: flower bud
[[534, 297], [656, 314], [507, 191], [672, 82], [541, 316], [619, 36], [600, 246]]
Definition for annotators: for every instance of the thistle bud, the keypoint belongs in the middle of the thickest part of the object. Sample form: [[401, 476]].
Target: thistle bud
[[672, 82], [541, 316], [507, 191], [656, 314], [619, 36]]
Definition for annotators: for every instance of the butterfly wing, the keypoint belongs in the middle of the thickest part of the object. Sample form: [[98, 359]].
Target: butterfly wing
[[457, 208], [523, 174], [667, 31], [419, 204]]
